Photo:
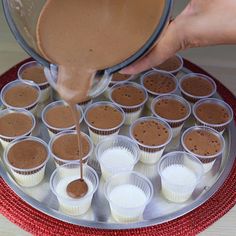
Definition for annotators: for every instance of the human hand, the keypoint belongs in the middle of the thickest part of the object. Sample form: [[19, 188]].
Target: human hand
[[202, 23]]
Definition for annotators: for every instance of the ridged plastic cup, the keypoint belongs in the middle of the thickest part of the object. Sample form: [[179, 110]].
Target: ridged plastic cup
[[54, 130], [121, 142], [151, 154], [125, 213], [33, 108], [177, 70], [6, 140], [45, 88], [27, 177], [208, 160], [132, 113], [219, 127], [171, 190], [59, 161], [98, 134], [193, 98], [67, 204], [176, 125]]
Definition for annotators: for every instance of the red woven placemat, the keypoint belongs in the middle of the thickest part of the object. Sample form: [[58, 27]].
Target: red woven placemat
[[37, 223]]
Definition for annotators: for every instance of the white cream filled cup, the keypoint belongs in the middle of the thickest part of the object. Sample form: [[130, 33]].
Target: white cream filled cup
[[104, 119], [59, 181], [15, 124], [205, 143], [116, 154], [158, 83], [131, 97], [26, 159], [173, 109], [21, 95], [128, 194], [180, 173], [33, 71], [57, 116], [152, 136]]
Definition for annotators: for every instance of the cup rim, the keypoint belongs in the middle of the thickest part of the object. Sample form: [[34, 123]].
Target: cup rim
[[133, 84], [21, 111], [147, 118], [105, 103], [17, 81], [27, 65], [20, 139], [66, 132], [127, 139], [56, 171], [54, 104], [180, 58], [189, 156], [202, 76], [174, 97], [141, 176], [165, 73], [213, 131], [212, 101]]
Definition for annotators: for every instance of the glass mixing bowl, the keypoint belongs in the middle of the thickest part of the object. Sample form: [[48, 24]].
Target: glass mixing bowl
[[22, 17]]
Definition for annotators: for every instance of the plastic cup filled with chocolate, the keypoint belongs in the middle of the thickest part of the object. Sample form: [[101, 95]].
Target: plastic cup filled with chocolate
[[26, 159], [104, 119], [63, 147], [128, 194], [205, 143], [152, 136], [57, 116], [18, 94], [157, 83], [173, 65], [15, 124], [74, 200], [116, 154], [196, 86], [173, 109], [213, 112], [34, 71], [180, 173], [131, 97]]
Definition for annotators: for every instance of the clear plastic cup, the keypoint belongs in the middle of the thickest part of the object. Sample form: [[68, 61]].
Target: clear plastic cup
[[58, 160], [59, 181], [5, 140], [116, 154], [220, 126], [26, 177], [207, 160], [134, 192], [194, 98], [32, 107], [45, 88], [98, 134], [182, 176], [171, 70], [177, 124], [151, 93], [52, 130], [132, 113], [151, 154]]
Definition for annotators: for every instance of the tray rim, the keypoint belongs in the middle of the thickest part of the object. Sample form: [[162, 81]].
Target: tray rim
[[104, 225]]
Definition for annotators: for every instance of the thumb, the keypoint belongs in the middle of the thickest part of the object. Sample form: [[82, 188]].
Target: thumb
[[167, 46]]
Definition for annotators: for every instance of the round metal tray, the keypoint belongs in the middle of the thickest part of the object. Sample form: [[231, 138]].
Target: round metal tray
[[158, 211]]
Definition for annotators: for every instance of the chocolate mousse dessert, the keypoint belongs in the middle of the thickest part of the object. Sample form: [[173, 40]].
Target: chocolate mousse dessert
[[65, 147], [172, 65], [34, 73], [117, 77], [196, 86]]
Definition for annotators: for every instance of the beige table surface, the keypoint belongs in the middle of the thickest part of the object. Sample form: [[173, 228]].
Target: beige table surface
[[11, 53]]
